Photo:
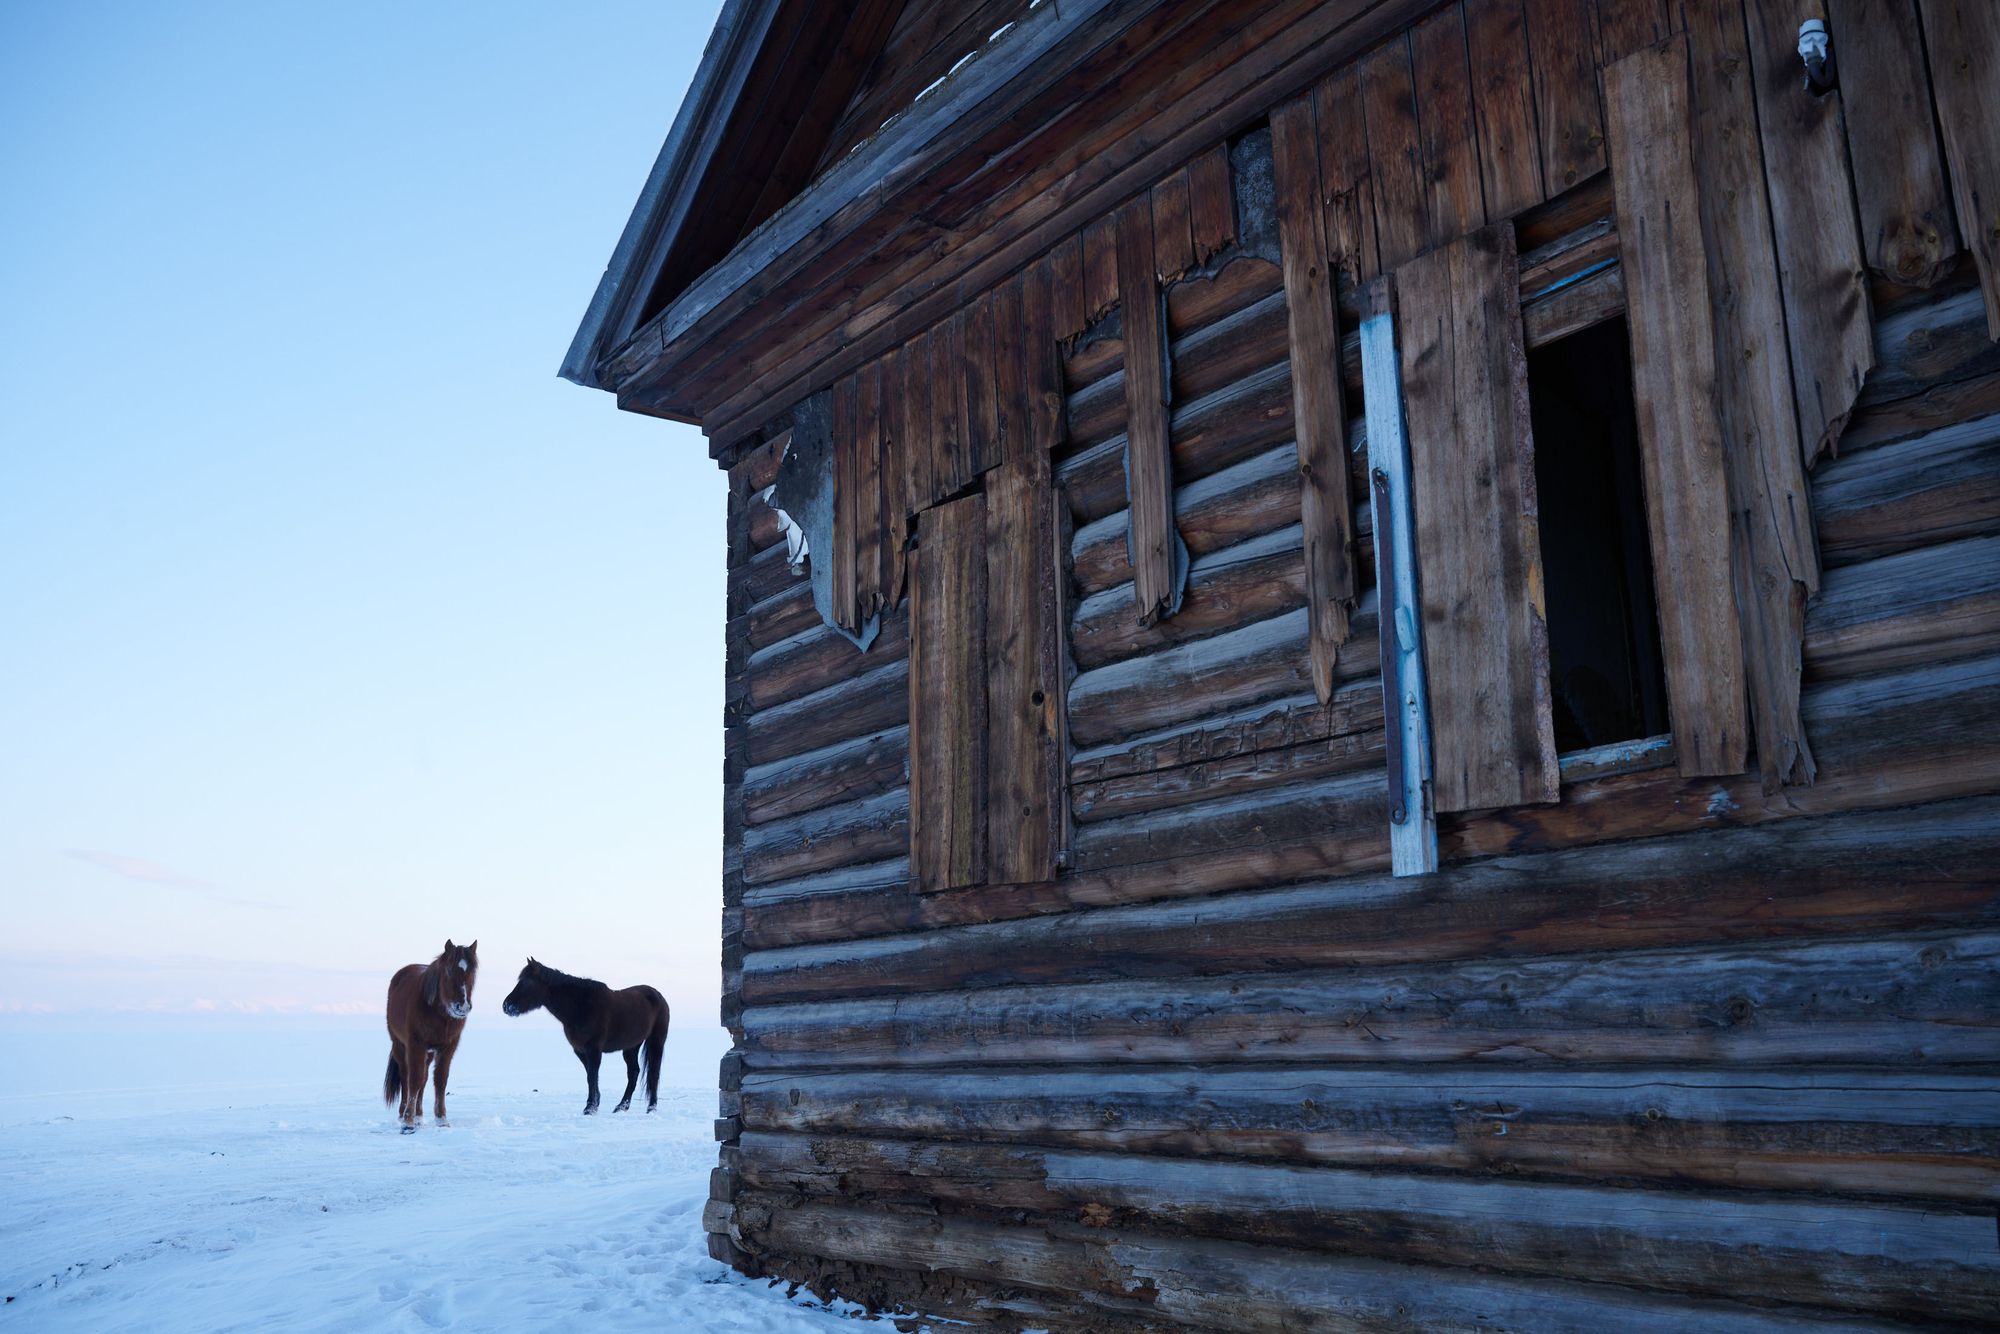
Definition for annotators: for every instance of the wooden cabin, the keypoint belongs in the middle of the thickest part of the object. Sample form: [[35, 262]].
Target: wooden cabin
[[1363, 654]]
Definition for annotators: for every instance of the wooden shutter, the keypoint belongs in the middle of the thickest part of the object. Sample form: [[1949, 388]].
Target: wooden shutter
[[1479, 557], [1670, 315], [987, 803], [948, 696]]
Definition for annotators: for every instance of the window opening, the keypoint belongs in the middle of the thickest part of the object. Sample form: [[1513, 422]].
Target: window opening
[[1606, 676]]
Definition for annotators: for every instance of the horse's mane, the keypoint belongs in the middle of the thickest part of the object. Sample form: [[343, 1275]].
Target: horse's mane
[[557, 980]]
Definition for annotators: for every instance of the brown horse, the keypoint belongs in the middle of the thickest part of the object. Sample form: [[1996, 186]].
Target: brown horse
[[427, 1008], [597, 1019]]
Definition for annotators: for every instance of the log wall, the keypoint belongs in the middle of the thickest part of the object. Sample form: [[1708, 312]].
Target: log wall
[[1679, 1050]]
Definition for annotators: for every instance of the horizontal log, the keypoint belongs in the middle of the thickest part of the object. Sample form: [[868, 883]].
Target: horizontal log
[[1246, 500], [1227, 589], [1932, 342], [1758, 883], [849, 834], [1348, 801], [1940, 406], [1251, 664], [1263, 747], [1206, 435], [779, 616], [1917, 607], [1923, 735], [1817, 1003], [1902, 1135], [1574, 307], [844, 772], [891, 873], [1204, 1284], [766, 575], [765, 528], [854, 708], [820, 656], [1937, 487], [1844, 1255]]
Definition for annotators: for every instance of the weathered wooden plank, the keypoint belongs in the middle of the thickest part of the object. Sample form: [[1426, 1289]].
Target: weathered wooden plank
[[1010, 371], [948, 697], [1928, 734], [1455, 204], [1775, 562], [1937, 487], [1624, 26], [919, 425], [1405, 686], [1024, 688], [1041, 367], [1090, 1278], [1924, 351], [1907, 231], [1844, 1255], [1211, 203], [1100, 268], [1173, 238], [1159, 562], [982, 391], [1503, 100], [1343, 165], [1963, 37], [1824, 278], [1478, 547], [871, 529], [1562, 48], [846, 505], [1395, 153], [1319, 417], [1673, 380], [947, 399], [1929, 1135], [1071, 312]]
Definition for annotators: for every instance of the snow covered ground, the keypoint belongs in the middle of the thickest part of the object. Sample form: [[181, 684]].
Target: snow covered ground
[[258, 1182]]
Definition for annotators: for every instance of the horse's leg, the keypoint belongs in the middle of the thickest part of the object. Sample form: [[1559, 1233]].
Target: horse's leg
[[656, 1047], [444, 1056], [421, 1056], [413, 1085], [590, 1060], [631, 1079]]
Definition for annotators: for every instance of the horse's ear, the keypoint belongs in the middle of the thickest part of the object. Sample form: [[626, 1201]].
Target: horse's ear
[[448, 946], [473, 949], [430, 986]]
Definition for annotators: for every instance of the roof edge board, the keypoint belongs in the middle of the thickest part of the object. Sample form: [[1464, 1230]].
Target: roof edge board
[[663, 204], [880, 165]]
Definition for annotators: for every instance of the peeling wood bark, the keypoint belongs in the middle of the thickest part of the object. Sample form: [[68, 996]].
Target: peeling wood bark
[[1673, 380], [1478, 554], [1318, 415]]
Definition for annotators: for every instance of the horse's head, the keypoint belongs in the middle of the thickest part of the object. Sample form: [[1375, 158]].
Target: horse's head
[[531, 991], [448, 981]]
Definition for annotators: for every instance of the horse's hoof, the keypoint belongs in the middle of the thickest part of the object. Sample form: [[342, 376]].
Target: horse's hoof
[[409, 1130]]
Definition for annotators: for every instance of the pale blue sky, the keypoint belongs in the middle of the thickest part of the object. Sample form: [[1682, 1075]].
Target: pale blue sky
[[334, 623]]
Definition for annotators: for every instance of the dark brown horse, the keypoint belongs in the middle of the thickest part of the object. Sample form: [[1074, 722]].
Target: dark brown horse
[[427, 1008], [597, 1019]]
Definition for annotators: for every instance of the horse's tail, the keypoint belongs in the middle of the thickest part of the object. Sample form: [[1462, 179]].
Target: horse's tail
[[654, 1048], [392, 1082]]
